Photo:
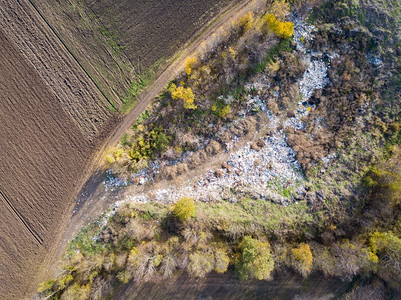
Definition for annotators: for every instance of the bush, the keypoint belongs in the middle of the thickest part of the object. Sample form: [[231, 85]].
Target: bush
[[221, 261], [302, 259], [225, 111], [283, 30], [45, 286], [256, 260], [184, 94], [76, 292], [387, 246], [145, 147], [114, 156], [201, 263], [184, 209], [190, 64]]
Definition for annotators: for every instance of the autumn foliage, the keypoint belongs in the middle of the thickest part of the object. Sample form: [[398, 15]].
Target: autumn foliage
[[184, 94], [302, 259], [282, 29], [256, 259], [184, 208], [246, 22], [190, 64]]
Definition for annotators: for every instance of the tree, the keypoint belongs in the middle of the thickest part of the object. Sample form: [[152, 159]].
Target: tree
[[256, 260], [282, 29], [387, 246], [201, 263], [302, 259], [221, 261], [184, 94], [190, 63], [184, 209], [246, 21]]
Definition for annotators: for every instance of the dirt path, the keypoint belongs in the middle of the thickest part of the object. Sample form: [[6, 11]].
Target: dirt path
[[91, 201], [175, 68]]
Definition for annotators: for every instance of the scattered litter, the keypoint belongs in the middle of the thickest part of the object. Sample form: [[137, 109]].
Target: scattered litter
[[264, 169]]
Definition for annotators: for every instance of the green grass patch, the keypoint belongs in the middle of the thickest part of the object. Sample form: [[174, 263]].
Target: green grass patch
[[111, 40], [84, 242], [142, 82], [257, 214]]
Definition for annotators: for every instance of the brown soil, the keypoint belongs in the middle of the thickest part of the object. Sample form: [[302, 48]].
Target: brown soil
[[80, 31], [51, 118], [41, 156], [154, 31], [72, 88], [117, 40], [227, 286]]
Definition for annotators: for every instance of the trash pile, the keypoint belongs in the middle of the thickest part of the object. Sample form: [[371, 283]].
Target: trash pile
[[113, 183], [303, 32], [263, 169], [259, 169]]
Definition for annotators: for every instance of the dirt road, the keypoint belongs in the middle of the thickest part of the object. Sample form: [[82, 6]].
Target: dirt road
[[92, 201], [175, 68]]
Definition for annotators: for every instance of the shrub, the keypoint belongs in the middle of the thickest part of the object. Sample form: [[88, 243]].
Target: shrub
[[64, 281], [280, 8], [184, 209], [221, 261], [200, 263], [124, 276], [184, 94], [190, 64], [256, 260], [225, 111], [114, 155], [302, 259], [76, 292], [141, 149], [387, 246], [145, 147], [45, 286], [385, 184]]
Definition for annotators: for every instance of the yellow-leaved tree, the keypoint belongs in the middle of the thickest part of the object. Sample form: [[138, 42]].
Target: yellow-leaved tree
[[184, 208], [282, 29], [184, 94], [302, 259], [246, 21], [190, 63]]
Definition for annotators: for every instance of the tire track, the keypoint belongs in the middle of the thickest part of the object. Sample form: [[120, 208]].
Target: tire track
[[14, 211], [72, 54]]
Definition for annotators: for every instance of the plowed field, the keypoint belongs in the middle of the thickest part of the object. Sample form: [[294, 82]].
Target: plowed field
[[152, 30], [73, 89], [51, 118], [117, 40]]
